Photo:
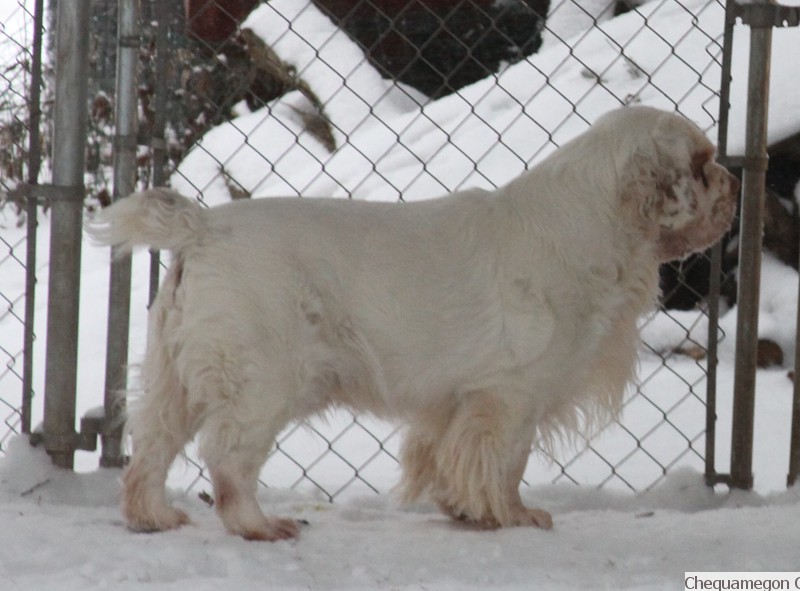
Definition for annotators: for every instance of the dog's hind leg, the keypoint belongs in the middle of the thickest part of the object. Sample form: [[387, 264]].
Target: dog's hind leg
[[160, 424], [160, 427], [235, 441]]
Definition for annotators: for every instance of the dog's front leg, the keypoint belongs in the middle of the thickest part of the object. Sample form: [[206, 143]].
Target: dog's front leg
[[522, 515], [480, 461]]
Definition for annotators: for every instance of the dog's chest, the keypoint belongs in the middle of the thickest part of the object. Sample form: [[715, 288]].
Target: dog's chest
[[528, 320], [565, 319]]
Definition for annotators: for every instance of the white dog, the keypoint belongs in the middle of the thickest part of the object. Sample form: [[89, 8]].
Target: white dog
[[484, 320]]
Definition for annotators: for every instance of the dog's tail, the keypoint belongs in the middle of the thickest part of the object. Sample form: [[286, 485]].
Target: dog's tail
[[160, 218]]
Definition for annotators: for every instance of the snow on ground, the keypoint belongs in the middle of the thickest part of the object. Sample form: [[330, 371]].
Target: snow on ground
[[63, 531]]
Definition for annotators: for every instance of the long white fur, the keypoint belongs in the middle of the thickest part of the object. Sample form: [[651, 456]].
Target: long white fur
[[484, 321]]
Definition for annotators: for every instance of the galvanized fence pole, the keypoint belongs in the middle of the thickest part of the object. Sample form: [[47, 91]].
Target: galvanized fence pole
[[158, 141], [119, 304], [70, 120], [794, 442], [715, 285], [34, 165], [715, 281], [791, 17], [752, 221]]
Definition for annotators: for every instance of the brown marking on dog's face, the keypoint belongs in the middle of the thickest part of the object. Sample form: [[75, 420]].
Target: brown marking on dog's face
[[698, 163], [681, 196], [716, 191]]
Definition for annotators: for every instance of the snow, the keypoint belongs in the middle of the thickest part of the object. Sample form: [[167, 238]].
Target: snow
[[391, 142], [62, 530], [784, 100]]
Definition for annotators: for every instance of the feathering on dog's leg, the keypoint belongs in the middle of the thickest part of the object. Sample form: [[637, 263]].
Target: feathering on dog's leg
[[144, 500], [159, 433], [479, 465], [160, 424], [418, 454]]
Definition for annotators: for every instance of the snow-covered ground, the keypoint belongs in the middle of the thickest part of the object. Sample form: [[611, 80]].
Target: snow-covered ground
[[62, 531]]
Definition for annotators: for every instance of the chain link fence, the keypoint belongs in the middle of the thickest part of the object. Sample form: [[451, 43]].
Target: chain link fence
[[397, 100], [20, 149]]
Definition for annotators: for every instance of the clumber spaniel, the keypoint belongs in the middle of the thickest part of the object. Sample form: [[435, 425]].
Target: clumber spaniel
[[483, 321]]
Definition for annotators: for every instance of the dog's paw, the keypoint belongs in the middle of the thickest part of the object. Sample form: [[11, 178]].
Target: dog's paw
[[520, 516], [535, 518], [273, 530], [165, 520]]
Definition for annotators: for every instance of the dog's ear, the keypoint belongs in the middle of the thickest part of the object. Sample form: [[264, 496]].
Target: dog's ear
[[692, 199], [664, 178]]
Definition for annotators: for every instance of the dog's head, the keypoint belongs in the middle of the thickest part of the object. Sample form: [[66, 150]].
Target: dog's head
[[680, 196]]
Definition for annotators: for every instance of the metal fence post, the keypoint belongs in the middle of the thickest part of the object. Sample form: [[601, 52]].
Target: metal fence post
[[794, 441], [158, 141], [120, 284], [69, 143], [715, 281], [34, 165], [752, 219]]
